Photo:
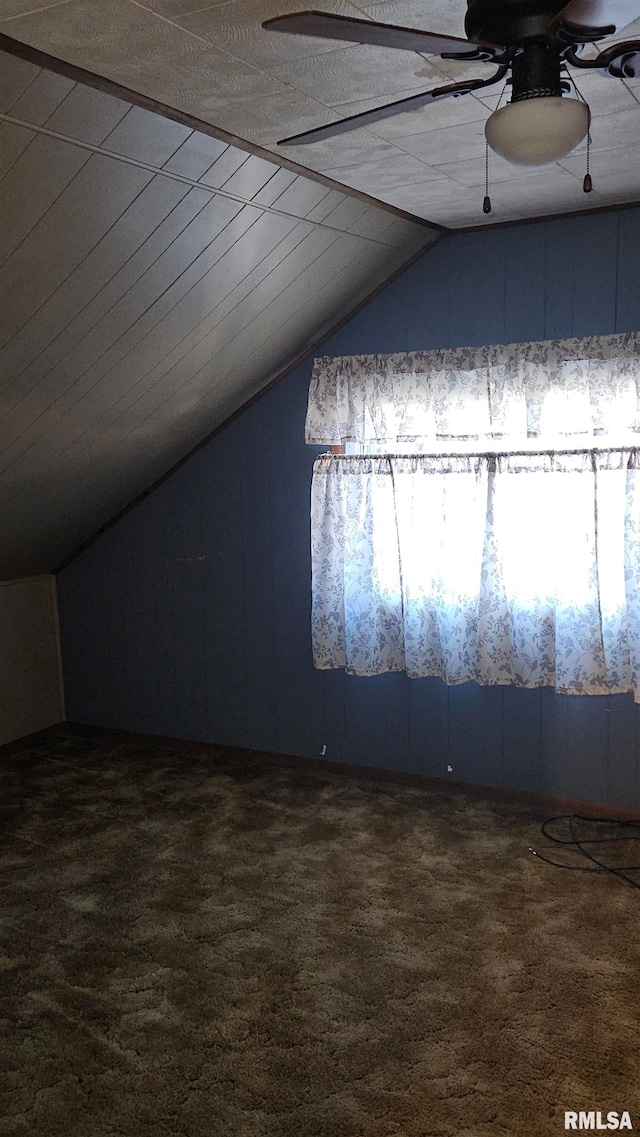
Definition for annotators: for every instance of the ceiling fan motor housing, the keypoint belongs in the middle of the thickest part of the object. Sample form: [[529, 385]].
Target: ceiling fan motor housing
[[535, 71], [510, 22]]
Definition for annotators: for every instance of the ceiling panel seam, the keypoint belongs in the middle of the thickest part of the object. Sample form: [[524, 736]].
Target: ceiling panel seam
[[92, 252], [159, 170], [141, 378], [108, 283], [88, 78], [158, 298], [163, 371]]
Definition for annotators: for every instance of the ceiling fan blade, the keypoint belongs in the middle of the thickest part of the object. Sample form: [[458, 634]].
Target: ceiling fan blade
[[367, 117], [600, 13], [343, 28]]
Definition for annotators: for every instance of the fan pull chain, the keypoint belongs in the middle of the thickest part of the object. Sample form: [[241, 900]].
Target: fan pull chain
[[486, 204], [587, 184]]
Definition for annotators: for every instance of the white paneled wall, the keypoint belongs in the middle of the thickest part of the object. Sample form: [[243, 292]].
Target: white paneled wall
[[152, 280], [31, 695]]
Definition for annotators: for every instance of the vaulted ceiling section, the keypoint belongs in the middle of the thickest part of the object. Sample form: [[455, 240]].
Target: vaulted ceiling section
[[153, 278]]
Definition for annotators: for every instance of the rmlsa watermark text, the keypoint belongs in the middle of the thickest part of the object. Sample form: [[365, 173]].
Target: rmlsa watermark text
[[594, 1119]]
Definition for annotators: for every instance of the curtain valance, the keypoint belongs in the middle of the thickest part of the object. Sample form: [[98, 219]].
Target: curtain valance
[[575, 387]]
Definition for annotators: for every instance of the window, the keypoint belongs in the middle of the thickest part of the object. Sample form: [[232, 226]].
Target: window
[[452, 557]]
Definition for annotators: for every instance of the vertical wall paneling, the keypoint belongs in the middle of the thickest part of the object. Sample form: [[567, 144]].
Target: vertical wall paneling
[[75, 589], [101, 619], [160, 537], [428, 716], [394, 692], [475, 733], [115, 596], [207, 587], [306, 719], [623, 765], [524, 304], [58, 646], [627, 291], [365, 736], [561, 238], [586, 754], [426, 301], [277, 456], [139, 603], [224, 620], [522, 764], [595, 270], [554, 727], [255, 519], [184, 550], [477, 288]]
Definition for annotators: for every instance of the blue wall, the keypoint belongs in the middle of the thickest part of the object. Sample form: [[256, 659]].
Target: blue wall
[[190, 617]]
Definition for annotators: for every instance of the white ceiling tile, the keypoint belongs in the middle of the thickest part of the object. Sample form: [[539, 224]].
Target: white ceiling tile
[[602, 163], [215, 61], [268, 119], [347, 150], [439, 115], [357, 72], [552, 191], [471, 171], [381, 177], [175, 9], [604, 94], [609, 132], [237, 27], [435, 196], [616, 188], [12, 8], [440, 16], [436, 147], [204, 84]]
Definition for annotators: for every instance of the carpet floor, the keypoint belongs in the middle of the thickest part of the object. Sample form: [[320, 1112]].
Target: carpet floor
[[206, 944]]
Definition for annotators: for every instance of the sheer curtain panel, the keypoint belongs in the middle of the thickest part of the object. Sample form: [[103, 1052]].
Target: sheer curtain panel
[[502, 569]]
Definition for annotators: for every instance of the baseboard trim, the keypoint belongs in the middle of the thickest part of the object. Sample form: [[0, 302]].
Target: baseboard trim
[[322, 767]]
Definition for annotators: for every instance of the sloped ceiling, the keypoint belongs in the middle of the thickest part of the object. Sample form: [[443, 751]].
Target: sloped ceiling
[[152, 280], [215, 61]]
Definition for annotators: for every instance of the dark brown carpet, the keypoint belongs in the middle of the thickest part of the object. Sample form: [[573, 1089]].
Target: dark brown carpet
[[197, 945]]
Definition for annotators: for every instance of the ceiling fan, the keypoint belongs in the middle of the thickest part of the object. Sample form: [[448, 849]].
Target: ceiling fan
[[533, 40]]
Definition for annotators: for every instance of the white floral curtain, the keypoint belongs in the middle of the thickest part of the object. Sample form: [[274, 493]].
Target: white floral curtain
[[512, 569], [519, 568], [576, 387]]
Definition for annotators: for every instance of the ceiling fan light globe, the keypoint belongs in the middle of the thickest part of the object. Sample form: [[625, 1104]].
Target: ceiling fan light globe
[[534, 132]]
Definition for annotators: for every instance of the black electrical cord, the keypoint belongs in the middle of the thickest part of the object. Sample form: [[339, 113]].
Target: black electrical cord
[[579, 844]]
